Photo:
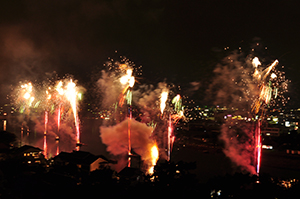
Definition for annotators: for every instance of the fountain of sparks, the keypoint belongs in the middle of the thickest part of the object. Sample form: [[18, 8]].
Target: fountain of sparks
[[46, 121], [173, 117], [71, 94], [267, 85], [46, 101], [252, 89], [25, 99]]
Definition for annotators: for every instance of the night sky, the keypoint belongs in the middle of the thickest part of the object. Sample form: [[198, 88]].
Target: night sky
[[175, 41]]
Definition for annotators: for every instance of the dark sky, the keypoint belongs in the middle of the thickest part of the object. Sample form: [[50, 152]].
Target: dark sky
[[180, 41]]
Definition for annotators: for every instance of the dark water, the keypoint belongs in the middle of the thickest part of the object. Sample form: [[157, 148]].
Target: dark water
[[277, 164], [209, 163], [90, 137]]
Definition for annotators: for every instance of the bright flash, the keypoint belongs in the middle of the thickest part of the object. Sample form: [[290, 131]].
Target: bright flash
[[255, 62], [154, 158], [26, 96], [128, 78], [163, 99], [273, 75]]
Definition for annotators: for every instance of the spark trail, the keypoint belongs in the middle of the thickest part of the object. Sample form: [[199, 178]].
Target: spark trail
[[262, 101], [71, 94]]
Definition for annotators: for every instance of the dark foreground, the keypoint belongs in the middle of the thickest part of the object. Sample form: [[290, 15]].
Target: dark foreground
[[207, 174], [210, 163]]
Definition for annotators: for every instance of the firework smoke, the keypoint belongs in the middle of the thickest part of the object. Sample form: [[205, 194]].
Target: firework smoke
[[239, 144], [115, 137]]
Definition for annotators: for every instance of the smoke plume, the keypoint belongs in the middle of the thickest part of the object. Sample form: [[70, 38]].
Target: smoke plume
[[230, 88], [116, 139], [239, 144]]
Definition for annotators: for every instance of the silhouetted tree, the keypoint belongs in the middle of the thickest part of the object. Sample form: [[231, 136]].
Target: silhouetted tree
[[6, 139]]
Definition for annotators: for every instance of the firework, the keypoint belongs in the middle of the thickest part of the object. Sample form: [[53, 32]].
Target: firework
[[57, 144], [268, 88], [170, 137], [26, 97], [258, 147], [154, 157], [71, 94], [178, 109], [177, 101], [268, 84], [267, 91], [163, 99], [127, 81], [45, 133], [253, 87]]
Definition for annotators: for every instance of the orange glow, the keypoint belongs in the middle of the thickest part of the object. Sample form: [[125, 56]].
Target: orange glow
[[154, 158]]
